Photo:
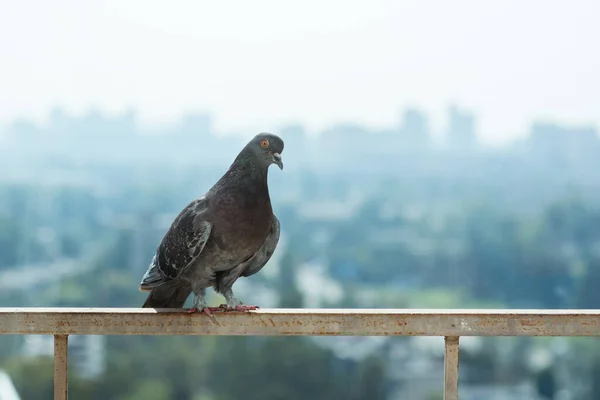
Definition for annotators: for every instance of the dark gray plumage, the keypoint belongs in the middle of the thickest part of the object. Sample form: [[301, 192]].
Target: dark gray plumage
[[229, 232]]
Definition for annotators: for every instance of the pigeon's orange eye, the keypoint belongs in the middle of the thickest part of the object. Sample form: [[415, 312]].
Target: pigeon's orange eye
[[264, 143]]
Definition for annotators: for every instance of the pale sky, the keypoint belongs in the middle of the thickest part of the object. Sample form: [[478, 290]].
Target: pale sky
[[259, 64]]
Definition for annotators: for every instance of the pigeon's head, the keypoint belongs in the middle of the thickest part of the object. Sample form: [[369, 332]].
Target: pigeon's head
[[267, 149]]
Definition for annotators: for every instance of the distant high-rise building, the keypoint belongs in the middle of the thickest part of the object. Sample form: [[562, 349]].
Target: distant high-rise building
[[415, 127], [546, 135], [556, 139], [461, 128]]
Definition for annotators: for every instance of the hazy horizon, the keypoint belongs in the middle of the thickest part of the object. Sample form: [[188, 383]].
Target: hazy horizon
[[256, 67]]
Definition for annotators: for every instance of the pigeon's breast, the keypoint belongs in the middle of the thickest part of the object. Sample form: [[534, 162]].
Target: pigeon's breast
[[240, 229]]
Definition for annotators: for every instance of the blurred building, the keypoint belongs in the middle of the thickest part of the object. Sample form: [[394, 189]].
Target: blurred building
[[461, 132], [87, 353], [414, 131]]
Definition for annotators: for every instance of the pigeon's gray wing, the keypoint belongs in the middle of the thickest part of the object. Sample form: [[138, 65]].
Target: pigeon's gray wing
[[262, 256], [181, 245]]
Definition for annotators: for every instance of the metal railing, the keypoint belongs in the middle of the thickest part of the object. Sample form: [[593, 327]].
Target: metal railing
[[451, 324]]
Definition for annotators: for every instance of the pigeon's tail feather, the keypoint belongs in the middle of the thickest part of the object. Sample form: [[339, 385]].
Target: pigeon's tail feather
[[167, 296]]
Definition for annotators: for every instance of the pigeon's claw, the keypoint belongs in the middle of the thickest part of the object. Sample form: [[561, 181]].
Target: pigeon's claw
[[206, 310]]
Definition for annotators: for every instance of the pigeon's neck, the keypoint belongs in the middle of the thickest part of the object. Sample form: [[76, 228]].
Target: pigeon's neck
[[247, 171]]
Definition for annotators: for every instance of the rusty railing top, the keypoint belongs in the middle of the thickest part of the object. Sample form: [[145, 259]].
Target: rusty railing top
[[336, 322]]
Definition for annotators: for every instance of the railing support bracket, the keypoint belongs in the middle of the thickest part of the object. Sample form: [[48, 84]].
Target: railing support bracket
[[61, 371], [451, 368]]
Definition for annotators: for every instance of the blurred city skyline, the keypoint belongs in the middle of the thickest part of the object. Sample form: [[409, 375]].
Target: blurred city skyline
[[260, 66]]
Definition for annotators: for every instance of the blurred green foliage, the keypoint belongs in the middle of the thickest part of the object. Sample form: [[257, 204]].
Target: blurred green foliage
[[474, 256]]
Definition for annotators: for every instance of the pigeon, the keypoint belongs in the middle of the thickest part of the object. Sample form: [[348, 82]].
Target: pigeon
[[229, 232]]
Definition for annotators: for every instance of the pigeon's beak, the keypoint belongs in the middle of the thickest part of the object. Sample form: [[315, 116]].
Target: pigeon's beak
[[277, 160]]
